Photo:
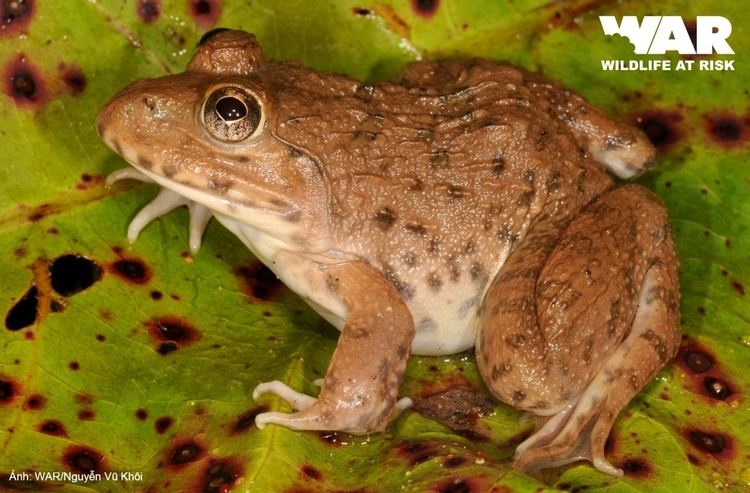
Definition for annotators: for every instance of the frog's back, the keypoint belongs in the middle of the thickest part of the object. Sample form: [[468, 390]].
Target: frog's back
[[434, 178]]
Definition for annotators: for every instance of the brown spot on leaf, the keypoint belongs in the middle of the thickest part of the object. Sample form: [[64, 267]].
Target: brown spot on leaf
[[86, 414], [259, 283], [52, 427], [171, 333], [727, 130], [184, 452], [417, 452], [425, 8], [15, 16], [739, 287], [663, 128], [24, 83], [73, 273], [246, 420], [141, 414], [24, 313], [148, 10], [310, 472], [130, 269], [162, 424], [636, 468], [35, 402], [205, 12], [82, 459], [220, 476], [9, 389], [73, 77], [714, 443]]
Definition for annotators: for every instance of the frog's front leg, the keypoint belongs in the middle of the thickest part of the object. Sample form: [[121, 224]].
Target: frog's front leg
[[579, 319], [360, 389]]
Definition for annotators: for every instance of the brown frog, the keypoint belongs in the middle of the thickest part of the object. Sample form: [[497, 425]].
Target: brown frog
[[466, 204]]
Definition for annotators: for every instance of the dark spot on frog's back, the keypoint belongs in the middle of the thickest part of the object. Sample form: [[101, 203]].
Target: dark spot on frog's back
[[663, 128], [16, 15], [384, 218], [205, 12], [144, 162], [24, 312], [148, 10], [259, 283], [81, 459], [434, 281], [24, 83], [72, 273], [404, 289]]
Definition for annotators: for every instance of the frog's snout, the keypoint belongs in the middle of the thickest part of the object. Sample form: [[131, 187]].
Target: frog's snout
[[124, 114]]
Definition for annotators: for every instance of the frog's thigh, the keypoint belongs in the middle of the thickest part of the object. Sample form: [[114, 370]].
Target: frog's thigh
[[559, 337], [360, 389]]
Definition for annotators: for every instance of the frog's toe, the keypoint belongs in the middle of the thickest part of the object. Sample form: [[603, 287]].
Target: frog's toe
[[199, 217], [297, 400], [126, 174], [166, 201]]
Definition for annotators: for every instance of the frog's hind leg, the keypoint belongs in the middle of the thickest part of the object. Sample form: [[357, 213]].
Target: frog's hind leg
[[593, 316]]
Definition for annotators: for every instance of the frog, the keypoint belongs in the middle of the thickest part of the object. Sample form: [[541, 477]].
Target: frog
[[465, 203]]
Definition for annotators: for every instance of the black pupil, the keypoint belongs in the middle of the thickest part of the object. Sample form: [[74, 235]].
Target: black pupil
[[230, 109]]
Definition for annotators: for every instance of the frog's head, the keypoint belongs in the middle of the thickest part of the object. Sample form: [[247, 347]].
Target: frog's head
[[208, 134]]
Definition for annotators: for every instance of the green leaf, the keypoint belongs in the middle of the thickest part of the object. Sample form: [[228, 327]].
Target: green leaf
[[86, 382]]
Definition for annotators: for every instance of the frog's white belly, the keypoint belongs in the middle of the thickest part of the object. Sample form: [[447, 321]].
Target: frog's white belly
[[443, 326]]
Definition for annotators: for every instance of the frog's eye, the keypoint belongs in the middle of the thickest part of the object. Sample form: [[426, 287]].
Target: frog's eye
[[232, 114]]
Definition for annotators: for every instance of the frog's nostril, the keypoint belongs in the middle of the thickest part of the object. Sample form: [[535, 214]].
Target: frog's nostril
[[149, 102]]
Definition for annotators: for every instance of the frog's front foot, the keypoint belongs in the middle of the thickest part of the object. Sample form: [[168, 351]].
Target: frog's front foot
[[164, 202], [315, 414], [359, 394]]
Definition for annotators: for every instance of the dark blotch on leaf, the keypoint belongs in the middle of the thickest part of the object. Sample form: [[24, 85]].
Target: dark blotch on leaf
[[74, 365], [185, 452], [24, 312], [454, 485], [425, 8], [205, 12], [141, 414], [86, 414], [454, 461], [739, 287], [310, 472], [172, 332], [8, 390], [52, 427], [727, 130], [161, 425], [83, 460], [661, 127], [717, 388], [259, 282], [156, 295], [712, 443], [133, 270], [35, 402], [71, 274], [16, 15], [74, 78], [24, 83], [698, 361], [636, 468], [247, 419], [148, 10], [219, 477], [416, 452]]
